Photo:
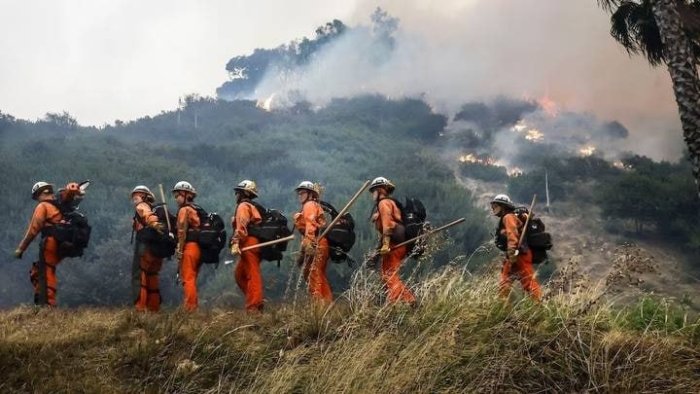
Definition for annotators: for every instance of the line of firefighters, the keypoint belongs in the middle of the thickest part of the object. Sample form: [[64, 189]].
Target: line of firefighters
[[308, 221]]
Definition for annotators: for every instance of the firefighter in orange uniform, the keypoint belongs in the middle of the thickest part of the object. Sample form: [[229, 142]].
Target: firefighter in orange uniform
[[388, 222], [187, 252], [247, 272], [146, 265], [46, 216], [518, 262], [315, 252]]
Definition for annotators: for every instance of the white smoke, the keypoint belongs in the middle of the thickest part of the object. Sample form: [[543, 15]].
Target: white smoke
[[451, 52]]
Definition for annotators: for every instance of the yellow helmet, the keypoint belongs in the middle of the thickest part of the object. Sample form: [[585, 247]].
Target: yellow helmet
[[247, 186]]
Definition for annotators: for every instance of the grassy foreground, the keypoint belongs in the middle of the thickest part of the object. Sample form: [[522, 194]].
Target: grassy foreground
[[460, 339]]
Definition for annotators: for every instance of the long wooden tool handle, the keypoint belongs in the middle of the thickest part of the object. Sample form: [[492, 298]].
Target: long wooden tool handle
[[165, 205], [527, 221], [431, 232], [345, 209], [268, 243]]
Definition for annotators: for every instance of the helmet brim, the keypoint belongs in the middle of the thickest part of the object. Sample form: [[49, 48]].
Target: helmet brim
[[239, 189], [389, 188]]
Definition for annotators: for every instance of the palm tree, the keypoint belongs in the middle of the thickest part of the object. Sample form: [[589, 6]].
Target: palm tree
[[666, 31]]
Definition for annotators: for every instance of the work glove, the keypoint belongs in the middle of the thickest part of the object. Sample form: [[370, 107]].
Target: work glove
[[159, 227], [511, 256], [235, 249], [385, 249], [18, 253], [178, 255]]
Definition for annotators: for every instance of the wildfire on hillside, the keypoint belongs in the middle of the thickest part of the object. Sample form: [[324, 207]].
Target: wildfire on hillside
[[531, 134], [472, 158], [587, 151], [266, 104], [548, 106]]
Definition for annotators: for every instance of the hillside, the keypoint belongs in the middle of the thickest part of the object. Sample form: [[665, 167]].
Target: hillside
[[460, 339], [340, 145], [627, 267]]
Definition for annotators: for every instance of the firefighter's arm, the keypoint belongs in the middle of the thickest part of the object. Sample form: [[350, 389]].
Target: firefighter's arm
[[310, 225], [240, 221], [182, 226], [386, 216], [35, 225], [511, 226], [242, 218], [148, 217]]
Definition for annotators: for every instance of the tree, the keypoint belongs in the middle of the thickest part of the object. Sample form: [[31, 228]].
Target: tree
[[666, 31]]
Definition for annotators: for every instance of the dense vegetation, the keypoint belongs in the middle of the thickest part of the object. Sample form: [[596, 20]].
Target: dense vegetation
[[639, 197], [341, 145]]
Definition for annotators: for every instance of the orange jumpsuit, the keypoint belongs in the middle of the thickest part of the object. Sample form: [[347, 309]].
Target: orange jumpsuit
[[387, 217], [43, 276], [523, 268], [309, 222], [247, 273], [148, 264], [187, 219]]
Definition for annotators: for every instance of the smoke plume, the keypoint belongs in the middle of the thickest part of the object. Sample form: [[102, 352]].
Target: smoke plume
[[556, 52]]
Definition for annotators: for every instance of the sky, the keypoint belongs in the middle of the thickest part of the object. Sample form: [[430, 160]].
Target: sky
[[122, 59], [103, 60]]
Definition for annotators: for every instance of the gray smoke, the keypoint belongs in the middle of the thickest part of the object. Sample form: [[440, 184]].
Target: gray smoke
[[461, 51]]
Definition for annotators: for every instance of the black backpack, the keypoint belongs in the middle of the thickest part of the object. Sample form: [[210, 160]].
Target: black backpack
[[537, 239], [341, 237], [413, 217], [211, 235], [72, 233], [272, 226], [163, 244]]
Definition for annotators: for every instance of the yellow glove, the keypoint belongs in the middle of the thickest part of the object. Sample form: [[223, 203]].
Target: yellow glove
[[235, 250], [385, 249], [512, 257], [18, 253], [158, 227]]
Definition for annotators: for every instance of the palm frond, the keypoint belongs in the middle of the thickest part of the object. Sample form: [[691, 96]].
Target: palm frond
[[609, 5]]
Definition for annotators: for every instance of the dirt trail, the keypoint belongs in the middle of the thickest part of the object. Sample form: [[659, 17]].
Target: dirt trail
[[625, 267]]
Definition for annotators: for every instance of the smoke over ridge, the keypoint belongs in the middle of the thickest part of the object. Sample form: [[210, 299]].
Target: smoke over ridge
[[456, 52]]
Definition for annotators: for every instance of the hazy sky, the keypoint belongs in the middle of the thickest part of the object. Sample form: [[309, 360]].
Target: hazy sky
[[103, 60]]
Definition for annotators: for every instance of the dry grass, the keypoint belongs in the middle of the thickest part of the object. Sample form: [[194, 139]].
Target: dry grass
[[460, 338]]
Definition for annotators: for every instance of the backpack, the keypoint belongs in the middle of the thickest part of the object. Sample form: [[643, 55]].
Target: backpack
[[72, 233], [537, 239], [413, 217], [161, 245], [341, 236], [272, 226], [211, 235]]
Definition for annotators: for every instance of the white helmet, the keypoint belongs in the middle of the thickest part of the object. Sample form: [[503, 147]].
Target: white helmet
[[39, 187], [308, 186], [183, 186], [143, 189], [504, 200], [247, 186], [381, 181]]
